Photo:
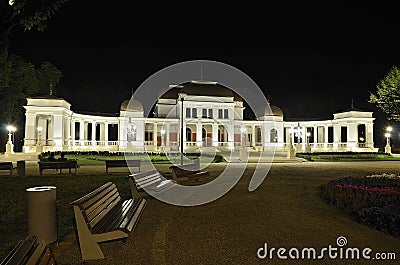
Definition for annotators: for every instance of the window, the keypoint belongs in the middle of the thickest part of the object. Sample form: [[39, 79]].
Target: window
[[194, 113], [361, 133], [187, 112], [330, 134], [210, 113], [273, 136], [204, 113], [343, 134], [220, 114], [226, 116]]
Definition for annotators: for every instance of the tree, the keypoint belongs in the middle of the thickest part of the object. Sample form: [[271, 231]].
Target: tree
[[26, 14], [387, 96], [22, 83], [48, 76]]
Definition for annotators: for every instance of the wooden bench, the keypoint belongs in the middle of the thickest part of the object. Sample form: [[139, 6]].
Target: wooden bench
[[58, 165], [188, 171], [151, 181], [7, 166], [30, 251], [102, 216], [122, 163]]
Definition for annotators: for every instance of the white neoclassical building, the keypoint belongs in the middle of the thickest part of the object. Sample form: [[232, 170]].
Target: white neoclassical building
[[211, 115]]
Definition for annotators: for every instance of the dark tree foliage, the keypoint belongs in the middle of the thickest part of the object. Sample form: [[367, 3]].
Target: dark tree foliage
[[387, 96], [26, 14]]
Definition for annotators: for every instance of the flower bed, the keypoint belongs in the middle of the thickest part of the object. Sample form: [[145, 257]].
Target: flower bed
[[373, 200]]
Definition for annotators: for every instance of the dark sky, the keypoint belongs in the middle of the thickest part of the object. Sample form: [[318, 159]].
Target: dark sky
[[310, 60]]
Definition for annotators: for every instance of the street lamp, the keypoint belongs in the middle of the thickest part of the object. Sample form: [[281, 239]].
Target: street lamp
[[10, 145], [388, 149]]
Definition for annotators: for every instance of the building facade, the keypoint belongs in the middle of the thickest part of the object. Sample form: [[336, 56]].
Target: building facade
[[211, 116]]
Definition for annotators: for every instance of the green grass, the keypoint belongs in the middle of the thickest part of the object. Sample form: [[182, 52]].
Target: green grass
[[14, 205], [346, 157], [98, 159]]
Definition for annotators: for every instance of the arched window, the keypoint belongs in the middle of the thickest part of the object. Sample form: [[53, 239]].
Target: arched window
[[188, 134], [273, 136]]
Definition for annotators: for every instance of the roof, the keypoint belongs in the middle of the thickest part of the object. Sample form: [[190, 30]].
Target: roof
[[132, 105], [352, 109], [201, 88], [45, 97], [98, 113], [273, 111]]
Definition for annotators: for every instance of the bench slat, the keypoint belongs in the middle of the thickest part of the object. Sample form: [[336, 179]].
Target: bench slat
[[22, 253], [101, 198], [128, 227], [33, 260], [149, 182], [90, 195], [107, 218], [119, 215], [104, 212], [102, 204]]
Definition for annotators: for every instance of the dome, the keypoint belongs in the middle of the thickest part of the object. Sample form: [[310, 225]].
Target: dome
[[132, 105], [273, 111]]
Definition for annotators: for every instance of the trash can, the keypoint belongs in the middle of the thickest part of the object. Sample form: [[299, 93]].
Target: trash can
[[21, 168], [42, 220]]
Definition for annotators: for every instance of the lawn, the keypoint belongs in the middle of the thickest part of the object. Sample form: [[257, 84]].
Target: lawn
[[346, 157], [97, 159]]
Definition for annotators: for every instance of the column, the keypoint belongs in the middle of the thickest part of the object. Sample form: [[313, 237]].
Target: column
[[57, 131], [167, 132], [93, 133], [49, 131], [352, 135], [106, 133], [81, 132], [73, 132], [199, 134], [304, 139], [155, 135], [315, 136], [336, 135], [326, 136], [231, 134], [369, 134], [253, 135], [214, 134]]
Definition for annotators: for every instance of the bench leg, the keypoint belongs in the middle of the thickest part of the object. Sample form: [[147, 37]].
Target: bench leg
[[90, 249]]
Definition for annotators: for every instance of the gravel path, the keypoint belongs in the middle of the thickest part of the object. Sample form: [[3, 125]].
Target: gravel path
[[285, 211]]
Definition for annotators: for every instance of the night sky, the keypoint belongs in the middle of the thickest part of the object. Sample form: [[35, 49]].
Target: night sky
[[311, 60]]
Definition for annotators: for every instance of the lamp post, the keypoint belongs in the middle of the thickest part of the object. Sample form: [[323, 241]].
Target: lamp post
[[181, 138], [10, 145], [388, 149], [39, 146]]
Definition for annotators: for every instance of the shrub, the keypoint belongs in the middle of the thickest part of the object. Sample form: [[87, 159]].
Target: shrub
[[373, 201]]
